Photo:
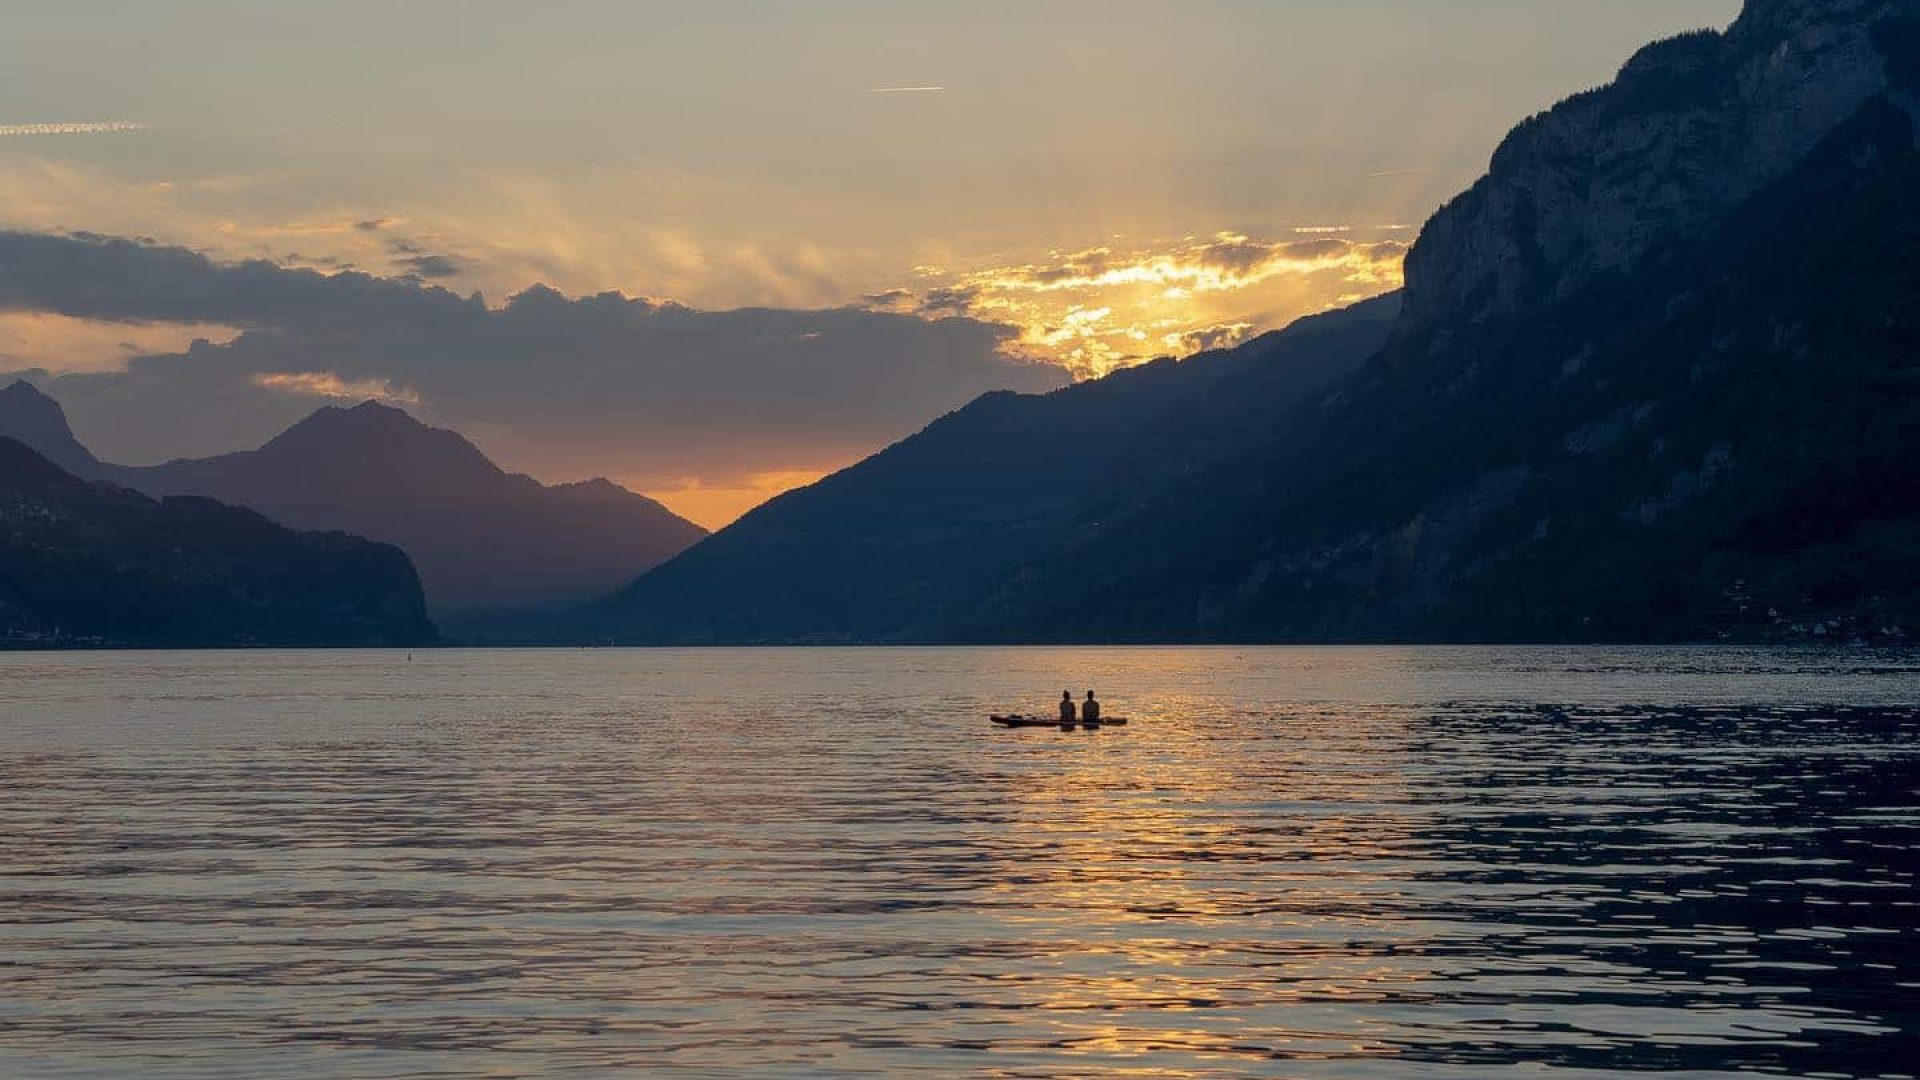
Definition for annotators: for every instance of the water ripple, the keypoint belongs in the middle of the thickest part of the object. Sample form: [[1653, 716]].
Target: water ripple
[[1299, 863]]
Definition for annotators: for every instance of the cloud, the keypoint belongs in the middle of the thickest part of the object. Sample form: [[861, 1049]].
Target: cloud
[[326, 384], [114, 279], [653, 393], [42, 339], [890, 300], [1228, 261], [46, 196], [950, 299], [431, 266], [1206, 338], [1102, 308], [99, 127]]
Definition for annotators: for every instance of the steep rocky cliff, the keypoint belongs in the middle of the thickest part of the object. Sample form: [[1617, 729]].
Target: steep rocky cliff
[[1658, 378], [1692, 128]]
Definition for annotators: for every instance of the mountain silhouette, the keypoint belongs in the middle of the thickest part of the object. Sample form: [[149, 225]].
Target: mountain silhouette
[[481, 537], [38, 421], [85, 563], [1654, 381], [894, 547], [1655, 377]]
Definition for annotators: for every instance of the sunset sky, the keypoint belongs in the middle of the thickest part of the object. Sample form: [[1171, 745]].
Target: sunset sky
[[832, 220]]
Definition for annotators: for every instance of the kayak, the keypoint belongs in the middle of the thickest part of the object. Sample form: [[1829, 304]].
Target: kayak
[[1042, 721]]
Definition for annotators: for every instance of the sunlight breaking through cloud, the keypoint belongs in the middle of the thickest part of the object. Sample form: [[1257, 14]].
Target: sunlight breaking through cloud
[[326, 384], [1101, 309]]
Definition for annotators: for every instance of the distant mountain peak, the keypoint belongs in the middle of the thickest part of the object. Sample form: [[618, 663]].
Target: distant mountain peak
[[379, 449], [29, 415], [596, 485], [22, 394], [366, 418], [364, 415], [481, 537]]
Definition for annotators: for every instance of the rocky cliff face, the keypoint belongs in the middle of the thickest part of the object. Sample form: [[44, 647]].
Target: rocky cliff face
[[1658, 378], [1691, 129]]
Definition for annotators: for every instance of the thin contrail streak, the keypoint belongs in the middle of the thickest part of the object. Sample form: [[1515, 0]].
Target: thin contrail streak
[[72, 128], [907, 90]]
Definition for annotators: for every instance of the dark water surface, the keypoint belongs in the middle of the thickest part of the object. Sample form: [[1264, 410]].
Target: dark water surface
[[1447, 863]]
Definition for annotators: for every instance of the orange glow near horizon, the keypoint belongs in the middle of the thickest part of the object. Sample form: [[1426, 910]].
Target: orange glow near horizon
[[714, 507], [1089, 311]]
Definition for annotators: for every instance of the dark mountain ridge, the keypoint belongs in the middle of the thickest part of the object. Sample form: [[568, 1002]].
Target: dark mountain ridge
[[1723, 446], [893, 547], [481, 537], [93, 564], [1690, 130], [1654, 380], [1714, 440]]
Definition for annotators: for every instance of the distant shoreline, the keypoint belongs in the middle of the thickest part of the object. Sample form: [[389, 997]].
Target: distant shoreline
[[1791, 644]]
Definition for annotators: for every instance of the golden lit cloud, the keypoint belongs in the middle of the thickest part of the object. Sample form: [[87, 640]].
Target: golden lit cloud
[[326, 384], [654, 231], [1092, 309], [1101, 309]]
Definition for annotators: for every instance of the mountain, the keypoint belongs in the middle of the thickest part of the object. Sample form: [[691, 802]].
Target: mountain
[[481, 537], [38, 421], [1655, 377], [93, 564], [893, 547], [1692, 128]]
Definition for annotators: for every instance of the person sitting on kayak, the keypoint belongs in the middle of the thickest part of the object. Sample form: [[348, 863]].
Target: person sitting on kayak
[[1066, 707], [1090, 712]]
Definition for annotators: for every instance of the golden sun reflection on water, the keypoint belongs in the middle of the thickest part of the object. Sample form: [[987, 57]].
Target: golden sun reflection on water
[[1137, 861]]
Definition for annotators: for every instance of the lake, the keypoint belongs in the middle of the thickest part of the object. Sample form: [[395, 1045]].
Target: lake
[[1304, 863]]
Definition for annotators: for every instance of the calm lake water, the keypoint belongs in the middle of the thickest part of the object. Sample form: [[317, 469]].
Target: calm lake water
[[1435, 863]]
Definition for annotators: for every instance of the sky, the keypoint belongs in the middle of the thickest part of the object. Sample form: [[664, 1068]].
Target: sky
[[719, 248]]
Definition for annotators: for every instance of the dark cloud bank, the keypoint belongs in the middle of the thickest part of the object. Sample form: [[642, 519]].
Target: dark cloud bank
[[600, 384]]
